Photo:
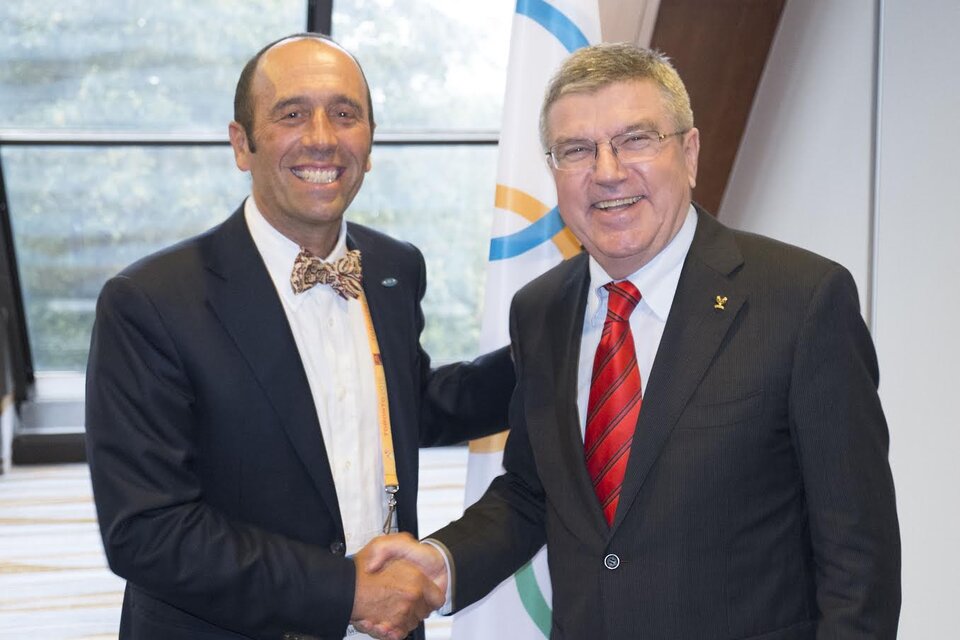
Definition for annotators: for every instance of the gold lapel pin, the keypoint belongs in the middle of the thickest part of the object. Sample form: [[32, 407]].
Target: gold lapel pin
[[721, 300]]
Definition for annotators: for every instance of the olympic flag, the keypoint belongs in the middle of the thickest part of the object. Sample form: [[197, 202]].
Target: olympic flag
[[528, 237]]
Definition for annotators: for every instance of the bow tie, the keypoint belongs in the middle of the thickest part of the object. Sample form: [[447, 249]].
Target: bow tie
[[342, 275]]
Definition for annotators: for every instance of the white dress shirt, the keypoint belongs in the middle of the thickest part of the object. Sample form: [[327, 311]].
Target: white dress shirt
[[332, 340], [657, 282]]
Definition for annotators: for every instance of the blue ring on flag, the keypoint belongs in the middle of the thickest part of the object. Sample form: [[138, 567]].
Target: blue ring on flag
[[572, 38], [547, 16], [533, 235]]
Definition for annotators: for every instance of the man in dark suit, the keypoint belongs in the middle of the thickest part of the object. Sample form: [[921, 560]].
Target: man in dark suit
[[696, 433], [243, 426]]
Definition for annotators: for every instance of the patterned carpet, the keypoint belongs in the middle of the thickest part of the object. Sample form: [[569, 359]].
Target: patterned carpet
[[54, 582]]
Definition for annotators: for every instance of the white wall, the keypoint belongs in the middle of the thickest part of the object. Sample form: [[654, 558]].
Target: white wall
[[918, 298], [803, 173], [818, 170]]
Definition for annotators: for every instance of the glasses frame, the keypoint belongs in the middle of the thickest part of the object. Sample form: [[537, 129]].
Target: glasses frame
[[615, 148]]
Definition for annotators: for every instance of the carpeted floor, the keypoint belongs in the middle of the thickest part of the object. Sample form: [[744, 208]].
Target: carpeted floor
[[54, 582]]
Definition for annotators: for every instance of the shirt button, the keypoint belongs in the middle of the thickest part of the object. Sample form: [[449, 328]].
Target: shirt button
[[612, 561], [337, 548]]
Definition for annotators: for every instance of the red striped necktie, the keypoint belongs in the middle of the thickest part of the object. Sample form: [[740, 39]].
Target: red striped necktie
[[615, 399]]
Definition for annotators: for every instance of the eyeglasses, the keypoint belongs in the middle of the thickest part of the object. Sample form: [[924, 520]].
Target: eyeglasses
[[629, 148]]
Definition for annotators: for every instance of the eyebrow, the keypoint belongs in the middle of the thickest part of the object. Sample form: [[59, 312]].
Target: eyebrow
[[642, 125]]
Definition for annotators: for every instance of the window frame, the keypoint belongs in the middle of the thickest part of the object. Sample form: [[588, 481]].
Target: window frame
[[16, 358]]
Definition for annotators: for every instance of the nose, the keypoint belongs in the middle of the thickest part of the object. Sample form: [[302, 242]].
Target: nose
[[607, 167], [319, 131]]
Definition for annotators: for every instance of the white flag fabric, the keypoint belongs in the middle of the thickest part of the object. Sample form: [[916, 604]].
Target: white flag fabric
[[528, 237]]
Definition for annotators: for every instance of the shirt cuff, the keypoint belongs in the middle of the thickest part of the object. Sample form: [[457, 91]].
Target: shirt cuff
[[447, 607]]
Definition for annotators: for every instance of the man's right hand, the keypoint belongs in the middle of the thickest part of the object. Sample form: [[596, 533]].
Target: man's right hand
[[394, 596]]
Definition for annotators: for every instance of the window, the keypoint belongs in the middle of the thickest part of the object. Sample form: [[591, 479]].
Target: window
[[113, 141], [81, 213]]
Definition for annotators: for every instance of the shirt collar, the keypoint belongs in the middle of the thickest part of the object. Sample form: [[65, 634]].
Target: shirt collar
[[279, 252], [657, 280]]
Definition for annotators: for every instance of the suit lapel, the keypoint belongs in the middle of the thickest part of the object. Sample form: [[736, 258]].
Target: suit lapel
[[556, 401], [691, 338], [243, 297]]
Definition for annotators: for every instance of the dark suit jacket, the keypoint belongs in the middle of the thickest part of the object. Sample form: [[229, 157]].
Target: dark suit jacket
[[758, 500], [213, 488]]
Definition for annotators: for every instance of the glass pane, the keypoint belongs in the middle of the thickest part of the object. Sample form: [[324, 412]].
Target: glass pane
[[164, 65], [80, 214], [432, 64]]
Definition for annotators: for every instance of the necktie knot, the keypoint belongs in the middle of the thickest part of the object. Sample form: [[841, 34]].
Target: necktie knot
[[623, 299], [342, 275]]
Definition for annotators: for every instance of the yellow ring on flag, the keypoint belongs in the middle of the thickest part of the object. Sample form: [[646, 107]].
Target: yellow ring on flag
[[529, 208], [490, 444]]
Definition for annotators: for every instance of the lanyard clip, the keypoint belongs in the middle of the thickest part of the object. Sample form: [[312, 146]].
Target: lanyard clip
[[391, 490]]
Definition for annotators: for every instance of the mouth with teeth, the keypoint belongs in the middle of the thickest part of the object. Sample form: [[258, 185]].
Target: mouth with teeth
[[316, 176], [605, 205]]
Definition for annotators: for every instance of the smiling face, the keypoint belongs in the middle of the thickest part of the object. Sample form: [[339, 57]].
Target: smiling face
[[312, 137], [624, 214]]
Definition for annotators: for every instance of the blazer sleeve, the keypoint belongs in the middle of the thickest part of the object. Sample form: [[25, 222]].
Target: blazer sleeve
[[506, 526], [158, 532], [841, 440]]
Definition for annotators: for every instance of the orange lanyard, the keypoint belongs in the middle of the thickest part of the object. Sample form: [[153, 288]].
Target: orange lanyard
[[391, 483]]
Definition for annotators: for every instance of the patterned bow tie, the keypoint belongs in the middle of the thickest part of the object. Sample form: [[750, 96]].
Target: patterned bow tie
[[342, 275]]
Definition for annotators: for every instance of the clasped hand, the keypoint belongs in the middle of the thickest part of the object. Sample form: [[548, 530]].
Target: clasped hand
[[399, 583]]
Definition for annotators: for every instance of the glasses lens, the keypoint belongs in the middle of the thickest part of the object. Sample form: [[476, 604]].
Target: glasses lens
[[636, 146], [573, 154]]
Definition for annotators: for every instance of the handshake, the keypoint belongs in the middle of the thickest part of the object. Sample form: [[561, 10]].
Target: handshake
[[400, 581]]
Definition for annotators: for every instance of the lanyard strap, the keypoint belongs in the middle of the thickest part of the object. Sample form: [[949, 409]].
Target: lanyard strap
[[391, 483]]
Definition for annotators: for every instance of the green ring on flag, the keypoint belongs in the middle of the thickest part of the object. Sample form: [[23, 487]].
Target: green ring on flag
[[559, 25], [532, 598]]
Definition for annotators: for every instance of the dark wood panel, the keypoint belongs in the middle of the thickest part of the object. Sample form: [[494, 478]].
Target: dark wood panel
[[720, 48]]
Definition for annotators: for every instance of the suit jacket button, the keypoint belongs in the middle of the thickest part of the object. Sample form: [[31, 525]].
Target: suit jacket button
[[337, 548], [612, 561]]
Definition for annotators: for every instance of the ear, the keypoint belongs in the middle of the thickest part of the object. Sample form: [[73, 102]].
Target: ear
[[691, 154], [241, 146], [369, 164]]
